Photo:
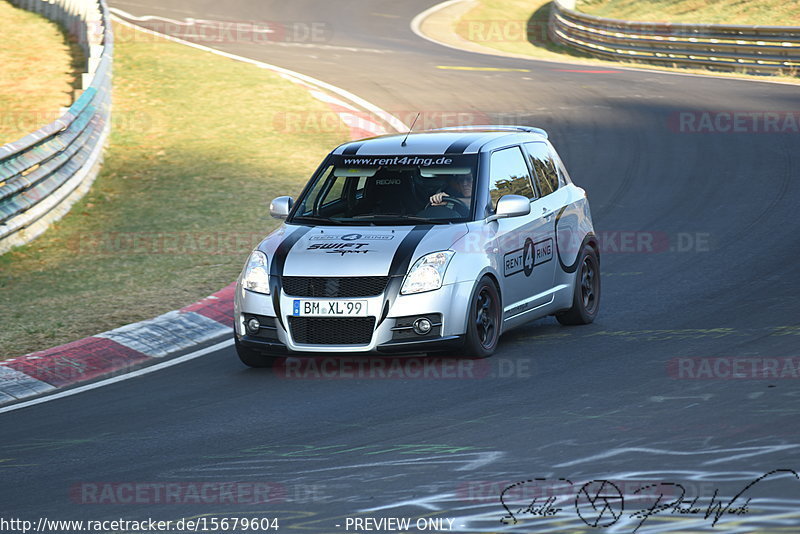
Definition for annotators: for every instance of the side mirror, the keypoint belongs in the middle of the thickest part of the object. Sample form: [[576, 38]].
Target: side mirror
[[511, 206], [280, 207]]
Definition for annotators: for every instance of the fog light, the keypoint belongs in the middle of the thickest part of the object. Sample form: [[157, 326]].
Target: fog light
[[252, 326], [422, 326]]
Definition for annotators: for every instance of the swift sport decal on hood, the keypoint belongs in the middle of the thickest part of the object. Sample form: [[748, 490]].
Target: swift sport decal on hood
[[340, 248], [352, 243], [347, 252], [376, 251]]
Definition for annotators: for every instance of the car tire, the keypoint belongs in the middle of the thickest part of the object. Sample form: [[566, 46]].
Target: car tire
[[253, 357], [586, 295], [483, 320]]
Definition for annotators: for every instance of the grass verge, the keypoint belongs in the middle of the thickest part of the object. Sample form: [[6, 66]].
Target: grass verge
[[39, 70], [758, 12], [519, 28], [198, 147]]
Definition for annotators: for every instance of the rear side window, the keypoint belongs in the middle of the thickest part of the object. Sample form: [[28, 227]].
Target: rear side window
[[563, 175], [509, 175], [544, 166]]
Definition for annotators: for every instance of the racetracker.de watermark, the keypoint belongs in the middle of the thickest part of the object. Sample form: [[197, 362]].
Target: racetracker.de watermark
[[29, 120], [734, 368], [735, 122], [608, 241], [198, 492], [230, 31], [166, 243], [238, 243], [401, 368], [508, 31], [342, 119]]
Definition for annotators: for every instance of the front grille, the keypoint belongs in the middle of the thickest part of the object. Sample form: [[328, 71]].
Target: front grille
[[332, 330], [333, 287]]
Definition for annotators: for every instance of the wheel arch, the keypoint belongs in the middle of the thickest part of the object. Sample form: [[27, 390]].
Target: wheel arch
[[491, 275], [592, 241], [494, 278]]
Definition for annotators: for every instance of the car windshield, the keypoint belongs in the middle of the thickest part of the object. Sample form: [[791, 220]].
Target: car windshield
[[389, 190]]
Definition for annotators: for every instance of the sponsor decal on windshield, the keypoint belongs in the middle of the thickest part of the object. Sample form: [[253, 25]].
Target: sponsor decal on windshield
[[416, 161], [398, 160]]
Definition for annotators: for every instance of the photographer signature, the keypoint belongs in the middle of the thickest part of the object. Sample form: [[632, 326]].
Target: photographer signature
[[600, 503]]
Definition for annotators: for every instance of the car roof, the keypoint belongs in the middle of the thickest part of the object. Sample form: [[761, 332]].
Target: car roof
[[459, 140]]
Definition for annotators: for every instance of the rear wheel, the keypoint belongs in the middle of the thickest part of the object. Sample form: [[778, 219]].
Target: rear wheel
[[586, 297], [483, 321], [253, 357]]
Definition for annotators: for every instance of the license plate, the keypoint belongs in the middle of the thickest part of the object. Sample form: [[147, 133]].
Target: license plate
[[329, 308]]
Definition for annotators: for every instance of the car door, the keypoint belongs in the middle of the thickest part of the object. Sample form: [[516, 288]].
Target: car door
[[548, 181], [522, 243]]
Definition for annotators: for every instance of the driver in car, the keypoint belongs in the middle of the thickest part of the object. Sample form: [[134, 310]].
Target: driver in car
[[459, 187]]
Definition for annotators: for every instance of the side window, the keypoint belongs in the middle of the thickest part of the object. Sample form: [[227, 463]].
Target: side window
[[563, 175], [544, 166], [328, 191], [509, 175], [314, 195], [335, 191], [362, 183]]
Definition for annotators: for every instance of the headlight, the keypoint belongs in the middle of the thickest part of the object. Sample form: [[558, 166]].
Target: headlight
[[427, 273], [256, 273]]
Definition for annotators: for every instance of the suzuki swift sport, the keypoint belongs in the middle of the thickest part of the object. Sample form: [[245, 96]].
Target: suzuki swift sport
[[435, 240]]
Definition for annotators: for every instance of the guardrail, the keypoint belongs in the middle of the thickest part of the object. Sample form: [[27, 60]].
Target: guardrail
[[764, 49], [47, 171]]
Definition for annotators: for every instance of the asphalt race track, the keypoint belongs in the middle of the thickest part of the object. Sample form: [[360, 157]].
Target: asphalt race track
[[700, 260]]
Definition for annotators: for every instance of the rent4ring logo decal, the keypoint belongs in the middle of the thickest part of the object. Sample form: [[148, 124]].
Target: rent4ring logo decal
[[351, 237], [525, 258]]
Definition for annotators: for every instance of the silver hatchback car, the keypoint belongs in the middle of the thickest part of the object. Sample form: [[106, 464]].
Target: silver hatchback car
[[435, 240]]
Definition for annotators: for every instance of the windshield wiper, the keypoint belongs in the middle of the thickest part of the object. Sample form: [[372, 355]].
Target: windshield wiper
[[316, 219], [395, 216]]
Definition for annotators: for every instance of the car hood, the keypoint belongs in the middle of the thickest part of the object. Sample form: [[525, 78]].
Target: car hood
[[355, 250]]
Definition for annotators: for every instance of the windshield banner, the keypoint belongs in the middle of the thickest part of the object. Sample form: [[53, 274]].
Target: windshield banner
[[393, 161]]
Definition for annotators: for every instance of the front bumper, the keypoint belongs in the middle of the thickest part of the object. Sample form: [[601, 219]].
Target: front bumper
[[446, 307]]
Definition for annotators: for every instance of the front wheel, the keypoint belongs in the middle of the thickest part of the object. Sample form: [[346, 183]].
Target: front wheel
[[252, 357], [483, 321], [586, 297]]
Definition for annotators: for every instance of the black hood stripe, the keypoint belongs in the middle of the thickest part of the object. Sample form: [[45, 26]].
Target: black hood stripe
[[403, 255], [460, 145], [277, 265], [401, 262], [352, 149]]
